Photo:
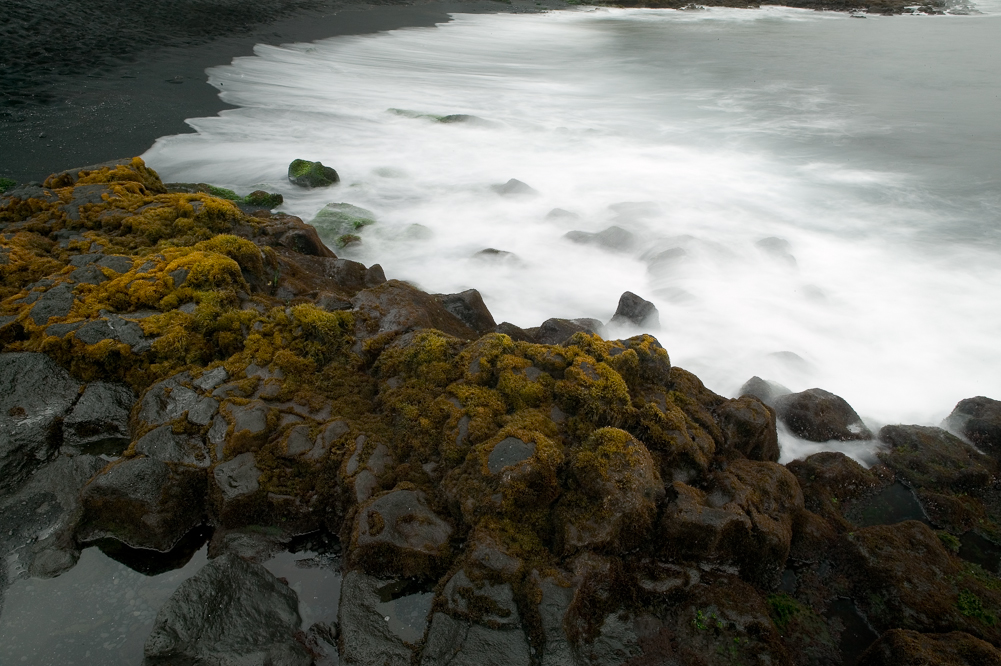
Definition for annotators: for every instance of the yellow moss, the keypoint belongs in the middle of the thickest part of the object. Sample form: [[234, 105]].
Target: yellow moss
[[594, 392], [240, 250]]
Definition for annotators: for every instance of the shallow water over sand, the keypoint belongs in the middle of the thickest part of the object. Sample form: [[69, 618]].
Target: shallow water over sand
[[867, 146]]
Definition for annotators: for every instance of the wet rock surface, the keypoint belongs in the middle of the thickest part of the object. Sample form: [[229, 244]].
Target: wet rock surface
[[232, 612], [502, 495], [820, 416]]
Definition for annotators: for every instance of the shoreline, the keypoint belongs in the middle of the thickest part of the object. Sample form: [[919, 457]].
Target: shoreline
[[120, 110]]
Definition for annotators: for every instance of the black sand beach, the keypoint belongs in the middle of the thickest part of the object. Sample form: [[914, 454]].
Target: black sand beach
[[82, 84]]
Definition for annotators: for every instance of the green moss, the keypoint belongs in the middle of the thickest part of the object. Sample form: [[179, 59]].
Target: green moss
[[7, 184], [950, 542], [346, 239], [970, 605], [264, 199], [223, 193], [782, 609]]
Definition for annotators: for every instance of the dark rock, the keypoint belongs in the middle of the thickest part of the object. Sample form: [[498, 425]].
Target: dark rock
[[367, 636], [978, 420], [311, 174], [899, 647], [508, 452], [744, 518], [230, 613], [493, 254], [469, 308], [337, 219], [748, 426], [820, 416], [613, 238], [349, 275], [332, 303], [35, 395], [144, 503], [237, 478], [56, 302], [305, 241], [167, 400], [764, 390], [375, 276], [553, 606], [117, 263], [164, 445], [779, 248], [88, 275], [830, 478], [396, 533], [514, 188], [902, 577], [558, 331], [38, 520], [636, 311], [665, 259], [453, 642], [933, 458], [262, 199], [398, 307], [211, 379], [516, 333], [619, 489], [100, 416]]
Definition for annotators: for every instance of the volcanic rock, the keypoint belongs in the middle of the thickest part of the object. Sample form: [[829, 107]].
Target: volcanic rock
[[820, 416]]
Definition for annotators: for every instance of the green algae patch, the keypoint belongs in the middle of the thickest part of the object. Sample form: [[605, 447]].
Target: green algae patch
[[7, 184]]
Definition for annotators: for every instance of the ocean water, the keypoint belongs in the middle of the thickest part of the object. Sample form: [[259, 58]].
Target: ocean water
[[864, 152]]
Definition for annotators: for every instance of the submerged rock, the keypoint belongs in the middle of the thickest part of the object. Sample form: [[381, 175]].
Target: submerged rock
[[231, 613], [337, 219], [820, 416], [311, 174], [514, 188], [613, 238]]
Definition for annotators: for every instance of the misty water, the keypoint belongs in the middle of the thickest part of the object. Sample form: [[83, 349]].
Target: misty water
[[868, 146]]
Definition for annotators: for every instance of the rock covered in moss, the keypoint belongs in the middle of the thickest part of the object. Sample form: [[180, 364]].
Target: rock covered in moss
[[143, 502], [978, 420], [35, 396], [231, 612], [933, 458], [748, 426], [820, 416], [337, 219], [618, 491], [262, 199], [398, 533], [311, 174], [900, 647]]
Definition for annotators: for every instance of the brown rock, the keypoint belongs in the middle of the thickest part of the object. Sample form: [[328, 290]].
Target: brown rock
[[748, 427], [397, 307], [933, 458], [820, 416], [978, 420], [397, 534], [899, 647]]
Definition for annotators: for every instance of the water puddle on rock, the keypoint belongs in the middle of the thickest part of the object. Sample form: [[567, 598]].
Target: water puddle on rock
[[856, 636], [99, 612], [894, 504]]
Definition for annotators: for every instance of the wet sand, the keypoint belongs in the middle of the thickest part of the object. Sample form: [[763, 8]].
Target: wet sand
[[82, 87]]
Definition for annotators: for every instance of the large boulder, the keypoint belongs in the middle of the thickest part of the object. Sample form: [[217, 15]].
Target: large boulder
[[378, 626], [35, 396], [618, 489], [978, 420], [820, 416], [636, 311], [902, 577], [398, 534], [468, 307], [933, 458], [900, 647], [480, 624], [397, 307], [311, 174], [748, 427], [143, 502], [231, 613], [744, 518], [557, 331], [100, 417], [830, 479], [336, 219]]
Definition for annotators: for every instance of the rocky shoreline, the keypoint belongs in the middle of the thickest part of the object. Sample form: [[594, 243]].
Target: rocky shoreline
[[177, 367]]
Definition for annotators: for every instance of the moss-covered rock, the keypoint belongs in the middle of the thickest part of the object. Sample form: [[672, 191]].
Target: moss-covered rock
[[311, 174]]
